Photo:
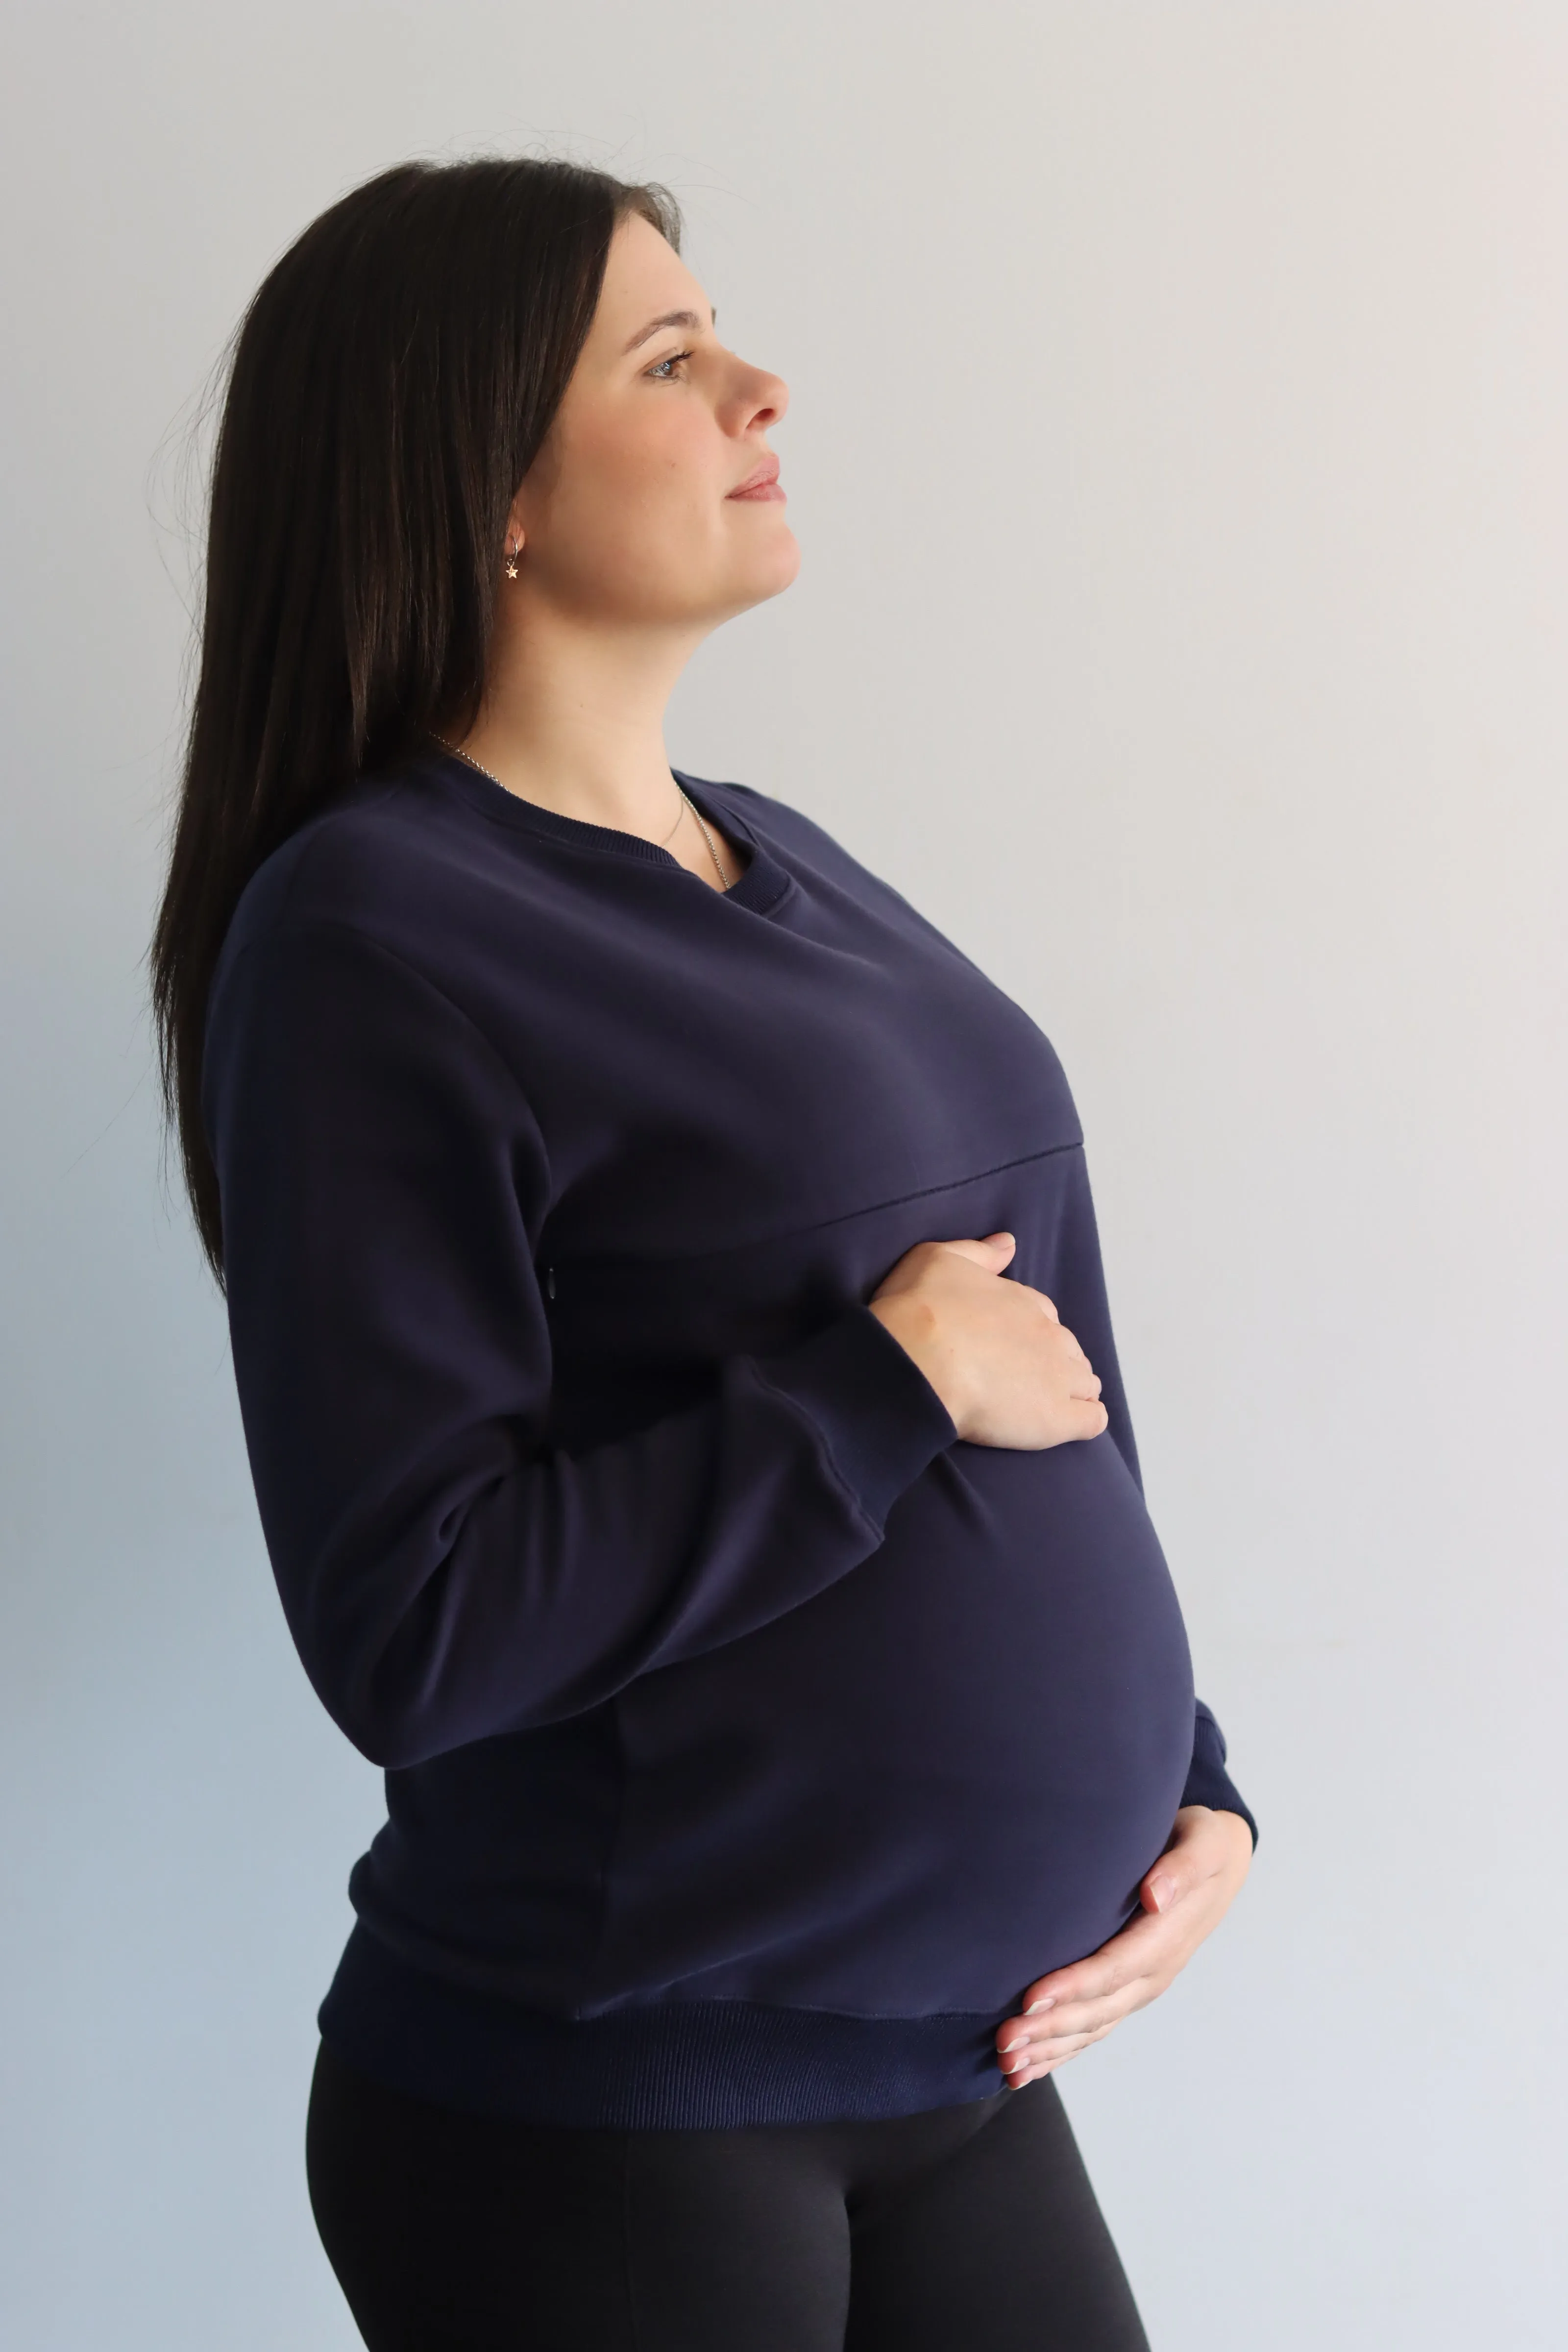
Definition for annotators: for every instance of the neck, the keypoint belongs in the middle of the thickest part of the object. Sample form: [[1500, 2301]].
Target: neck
[[573, 718]]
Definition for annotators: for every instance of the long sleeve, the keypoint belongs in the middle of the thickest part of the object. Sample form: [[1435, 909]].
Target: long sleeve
[[1208, 1783], [446, 1573]]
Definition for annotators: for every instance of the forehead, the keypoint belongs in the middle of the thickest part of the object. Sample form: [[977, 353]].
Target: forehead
[[643, 276]]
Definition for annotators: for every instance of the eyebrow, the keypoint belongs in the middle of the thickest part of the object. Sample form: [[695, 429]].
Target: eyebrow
[[670, 319]]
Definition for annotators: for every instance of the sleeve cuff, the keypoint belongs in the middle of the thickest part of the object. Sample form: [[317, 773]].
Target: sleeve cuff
[[1208, 1783], [882, 1419]]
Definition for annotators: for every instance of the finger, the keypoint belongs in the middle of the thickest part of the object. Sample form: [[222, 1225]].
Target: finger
[[1130, 1953], [1087, 2029], [1067, 2045], [985, 1252], [1086, 1980], [1032, 2074], [1048, 1306], [1182, 1866], [1047, 2017], [1052, 2045], [1084, 2016], [1087, 1415], [1079, 2016], [1163, 1888], [1133, 1951], [1047, 2062]]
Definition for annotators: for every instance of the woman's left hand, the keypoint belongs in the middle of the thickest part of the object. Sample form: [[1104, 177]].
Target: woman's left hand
[[1184, 1896]]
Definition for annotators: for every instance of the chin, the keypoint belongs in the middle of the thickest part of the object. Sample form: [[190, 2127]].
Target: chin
[[774, 572], [749, 578]]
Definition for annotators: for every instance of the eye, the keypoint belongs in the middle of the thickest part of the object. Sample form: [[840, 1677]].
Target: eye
[[656, 370]]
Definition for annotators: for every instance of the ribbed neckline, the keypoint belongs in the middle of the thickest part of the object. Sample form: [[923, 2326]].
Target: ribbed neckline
[[760, 887]]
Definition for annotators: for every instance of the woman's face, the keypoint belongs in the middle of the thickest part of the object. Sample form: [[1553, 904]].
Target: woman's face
[[629, 514]]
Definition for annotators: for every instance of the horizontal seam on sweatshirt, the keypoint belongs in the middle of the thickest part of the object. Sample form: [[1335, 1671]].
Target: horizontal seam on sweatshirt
[[822, 1224], [678, 1257]]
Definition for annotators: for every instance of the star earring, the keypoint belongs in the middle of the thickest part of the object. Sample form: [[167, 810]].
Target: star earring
[[512, 554]]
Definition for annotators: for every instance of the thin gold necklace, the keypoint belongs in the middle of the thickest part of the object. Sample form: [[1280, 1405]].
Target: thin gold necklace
[[725, 883]]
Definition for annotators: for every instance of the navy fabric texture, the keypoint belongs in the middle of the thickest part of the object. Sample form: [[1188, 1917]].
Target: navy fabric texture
[[738, 1719]]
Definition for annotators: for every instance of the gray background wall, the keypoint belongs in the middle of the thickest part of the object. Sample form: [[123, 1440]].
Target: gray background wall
[[1178, 451]]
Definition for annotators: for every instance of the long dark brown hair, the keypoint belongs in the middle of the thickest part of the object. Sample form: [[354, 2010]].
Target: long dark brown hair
[[390, 384]]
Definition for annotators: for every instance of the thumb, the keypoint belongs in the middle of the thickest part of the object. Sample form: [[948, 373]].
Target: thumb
[[990, 1250], [1165, 1885]]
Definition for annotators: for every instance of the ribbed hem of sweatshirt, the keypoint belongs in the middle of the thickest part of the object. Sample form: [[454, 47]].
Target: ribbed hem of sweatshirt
[[716, 2064], [883, 1420]]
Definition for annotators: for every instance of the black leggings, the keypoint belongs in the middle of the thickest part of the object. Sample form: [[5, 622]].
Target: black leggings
[[964, 2228]]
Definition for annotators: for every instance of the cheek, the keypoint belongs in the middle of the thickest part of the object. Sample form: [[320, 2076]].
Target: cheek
[[634, 514]]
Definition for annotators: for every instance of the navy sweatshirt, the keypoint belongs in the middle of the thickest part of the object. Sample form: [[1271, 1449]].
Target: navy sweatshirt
[[750, 1740]]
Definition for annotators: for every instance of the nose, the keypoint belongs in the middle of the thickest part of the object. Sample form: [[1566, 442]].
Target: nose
[[760, 399]]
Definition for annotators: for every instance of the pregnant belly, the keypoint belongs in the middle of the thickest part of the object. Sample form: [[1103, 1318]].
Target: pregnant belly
[[939, 1778]]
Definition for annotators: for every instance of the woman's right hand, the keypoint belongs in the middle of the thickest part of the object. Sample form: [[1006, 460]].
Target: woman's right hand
[[1005, 1365]]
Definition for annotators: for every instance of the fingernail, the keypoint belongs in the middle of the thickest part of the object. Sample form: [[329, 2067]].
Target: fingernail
[[1162, 1889], [1020, 2044], [1035, 2005]]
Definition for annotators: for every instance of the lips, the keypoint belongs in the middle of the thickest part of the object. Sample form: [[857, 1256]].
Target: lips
[[762, 483]]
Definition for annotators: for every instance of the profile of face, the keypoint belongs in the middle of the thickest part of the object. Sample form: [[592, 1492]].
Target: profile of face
[[637, 512]]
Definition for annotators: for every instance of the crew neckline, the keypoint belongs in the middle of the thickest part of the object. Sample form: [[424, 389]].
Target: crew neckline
[[760, 888]]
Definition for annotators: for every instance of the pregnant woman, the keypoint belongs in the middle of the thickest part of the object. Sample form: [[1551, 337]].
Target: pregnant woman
[[673, 1361]]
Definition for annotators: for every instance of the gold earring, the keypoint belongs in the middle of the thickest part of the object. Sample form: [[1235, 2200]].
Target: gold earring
[[512, 554]]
